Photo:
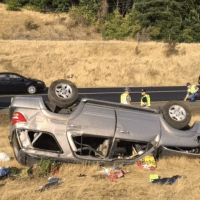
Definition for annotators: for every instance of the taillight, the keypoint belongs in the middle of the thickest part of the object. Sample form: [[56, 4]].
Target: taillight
[[18, 118]]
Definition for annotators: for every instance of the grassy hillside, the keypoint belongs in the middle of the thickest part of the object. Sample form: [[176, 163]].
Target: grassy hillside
[[99, 63], [31, 25]]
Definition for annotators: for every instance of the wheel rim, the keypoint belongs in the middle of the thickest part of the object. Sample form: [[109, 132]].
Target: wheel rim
[[177, 113], [31, 89], [63, 91]]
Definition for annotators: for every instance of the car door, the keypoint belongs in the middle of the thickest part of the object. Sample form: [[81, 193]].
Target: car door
[[137, 125], [95, 120], [5, 83], [18, 83]]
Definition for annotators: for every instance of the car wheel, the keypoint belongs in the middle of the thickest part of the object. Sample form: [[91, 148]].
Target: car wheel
[[62, 93], [31, 89], [176, 114]]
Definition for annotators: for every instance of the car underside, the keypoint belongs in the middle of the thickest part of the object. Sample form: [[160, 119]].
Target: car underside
[[93, 131]]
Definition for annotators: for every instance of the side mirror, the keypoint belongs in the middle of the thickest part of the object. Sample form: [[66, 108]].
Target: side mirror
[[22, 79]]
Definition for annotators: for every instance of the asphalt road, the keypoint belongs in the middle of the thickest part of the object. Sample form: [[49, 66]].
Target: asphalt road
[[113, 94]]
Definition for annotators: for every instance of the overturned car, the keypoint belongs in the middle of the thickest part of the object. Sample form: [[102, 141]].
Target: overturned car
[[73, 131]]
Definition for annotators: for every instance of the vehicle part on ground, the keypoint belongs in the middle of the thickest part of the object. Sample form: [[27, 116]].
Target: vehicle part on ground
[[176, 114], [62, 93], [31, 89], [98, 131]]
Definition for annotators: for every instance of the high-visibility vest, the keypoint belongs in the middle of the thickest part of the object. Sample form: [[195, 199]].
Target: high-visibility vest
[[192, 89], [148, 100], [123, 98]]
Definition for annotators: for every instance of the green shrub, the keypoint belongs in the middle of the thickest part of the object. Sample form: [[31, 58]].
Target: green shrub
[[83, 15], [119, 27], [13, 5], [46, 166], [29, 25]]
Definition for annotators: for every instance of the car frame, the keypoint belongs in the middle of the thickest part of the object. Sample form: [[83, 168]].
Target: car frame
[[95, 131]]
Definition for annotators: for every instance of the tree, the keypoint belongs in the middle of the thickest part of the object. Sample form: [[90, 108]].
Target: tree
[[177, 19]]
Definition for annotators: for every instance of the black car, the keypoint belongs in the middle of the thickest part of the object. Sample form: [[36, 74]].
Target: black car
[[15, 83]]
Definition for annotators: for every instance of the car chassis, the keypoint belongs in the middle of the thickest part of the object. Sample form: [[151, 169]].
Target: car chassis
[[95, 131]]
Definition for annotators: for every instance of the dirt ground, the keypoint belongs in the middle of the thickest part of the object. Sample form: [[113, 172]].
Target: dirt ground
[[134, 185]]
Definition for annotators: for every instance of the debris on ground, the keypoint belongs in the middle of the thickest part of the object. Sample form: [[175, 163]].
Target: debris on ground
[[148, 162], [169, 181], [81, 175], [153, 177], [48, 186], [53, 180], [4, 171], [4, 157]]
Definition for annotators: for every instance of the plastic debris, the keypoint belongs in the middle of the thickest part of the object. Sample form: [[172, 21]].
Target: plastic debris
[[148, 162], [153, 177], [4, 157], [4, 171], [169, 181], [47, 186], [53, 180], [116, 175]]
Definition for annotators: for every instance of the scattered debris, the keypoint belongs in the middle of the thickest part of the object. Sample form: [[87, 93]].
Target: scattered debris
[[53, 180], [4, 157], [81, 175], [48, 186], [116, 175], [148, 162], [169, 181], [4, 171], [153, 177]]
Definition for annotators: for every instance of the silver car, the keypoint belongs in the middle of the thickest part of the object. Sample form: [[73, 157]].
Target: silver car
[[73, 131]]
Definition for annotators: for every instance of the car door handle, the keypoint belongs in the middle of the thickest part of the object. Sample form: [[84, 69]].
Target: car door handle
[[75, 126], [123, 131]]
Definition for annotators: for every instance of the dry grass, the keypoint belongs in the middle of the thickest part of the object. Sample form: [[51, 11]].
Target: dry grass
[[135, 185], [50, 26], [111, 63]]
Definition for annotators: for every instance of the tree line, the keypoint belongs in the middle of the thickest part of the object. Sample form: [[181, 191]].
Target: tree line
[[144, 20]]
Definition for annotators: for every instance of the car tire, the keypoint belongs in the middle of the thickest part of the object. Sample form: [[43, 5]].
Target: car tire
[[31, 89], [176, 114], [62, 93]]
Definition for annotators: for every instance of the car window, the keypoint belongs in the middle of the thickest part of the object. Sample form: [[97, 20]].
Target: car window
[[3, 77], [14, 76]]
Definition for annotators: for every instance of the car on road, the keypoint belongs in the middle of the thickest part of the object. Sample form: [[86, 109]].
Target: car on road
[[15, 83], [70, 130]]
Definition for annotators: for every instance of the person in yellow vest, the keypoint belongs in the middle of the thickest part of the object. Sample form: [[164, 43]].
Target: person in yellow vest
[[145, 99], [126, 97], [192, 92]]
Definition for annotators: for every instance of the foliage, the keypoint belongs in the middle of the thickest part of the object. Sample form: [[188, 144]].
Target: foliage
[[119, 27], [46, 166], [29, 25], [13, 5], [177, 20], [84, 15]]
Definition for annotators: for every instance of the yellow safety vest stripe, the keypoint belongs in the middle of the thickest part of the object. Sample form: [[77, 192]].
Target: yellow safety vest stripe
[[192, 89], [148, 100]]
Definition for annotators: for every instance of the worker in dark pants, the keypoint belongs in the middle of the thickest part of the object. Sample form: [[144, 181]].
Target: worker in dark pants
[[145, 99], [125, 97], [192, 92]]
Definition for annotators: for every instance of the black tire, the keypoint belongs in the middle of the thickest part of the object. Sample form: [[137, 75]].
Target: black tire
[[31, 89], [58, 98], [183, 117]]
